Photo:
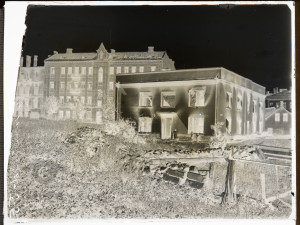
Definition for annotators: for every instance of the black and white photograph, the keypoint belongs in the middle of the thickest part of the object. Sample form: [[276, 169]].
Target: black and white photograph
[[153, 111]]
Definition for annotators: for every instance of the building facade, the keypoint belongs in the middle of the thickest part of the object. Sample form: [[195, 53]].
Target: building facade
[[278, 121], [30, 89], [190, 101], [85, 82]]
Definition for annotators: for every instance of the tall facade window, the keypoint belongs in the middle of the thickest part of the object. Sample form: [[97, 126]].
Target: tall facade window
[[61, 99], [62, 70], [168, 99], [83, 70], [69, 70], [145, 99], [228, 100], [141, 69], [76, 70], [52, 85], [126, 69], [82, 85], [89, 100], [239, 102], [89, 85], [118, 69], [285, 117], [133, 69], [145, 124], [197, 97], [76, 85], [36, 90], [90, 70], [196, 125], [99, 103], [60, 114], [52, 71], [68, 114], [62, 85], [35, 103], [228, 125], [277, 117], [153, 68], [100, 75], [68, 98], [111, 70], [82, 99]]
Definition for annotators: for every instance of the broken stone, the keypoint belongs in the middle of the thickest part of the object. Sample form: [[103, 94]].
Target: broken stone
[[171, 178], [195, 184], [195, 177], [193, 169], [175, 173]]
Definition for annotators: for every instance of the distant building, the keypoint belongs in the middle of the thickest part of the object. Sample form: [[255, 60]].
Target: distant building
[[30, 89], [278, 120], [190, 101], [281, 96], [88, 79]]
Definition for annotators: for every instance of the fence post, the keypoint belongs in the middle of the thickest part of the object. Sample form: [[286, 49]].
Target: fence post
[[263, 186]]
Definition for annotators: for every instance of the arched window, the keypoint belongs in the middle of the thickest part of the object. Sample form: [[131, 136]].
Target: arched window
[[100, 75]]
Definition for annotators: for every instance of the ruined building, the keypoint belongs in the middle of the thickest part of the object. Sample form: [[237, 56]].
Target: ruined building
[[190, 101]]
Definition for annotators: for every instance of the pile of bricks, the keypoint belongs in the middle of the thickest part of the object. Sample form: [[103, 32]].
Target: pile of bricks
[[180, 174]]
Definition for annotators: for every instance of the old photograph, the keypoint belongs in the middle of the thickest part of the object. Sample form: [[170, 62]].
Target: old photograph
[[153, 112]]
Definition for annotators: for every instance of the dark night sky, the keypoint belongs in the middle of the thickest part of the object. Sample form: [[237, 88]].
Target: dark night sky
[[253, 41]]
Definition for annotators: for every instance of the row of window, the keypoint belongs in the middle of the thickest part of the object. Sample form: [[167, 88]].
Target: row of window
[[34, 103], [239, 102], [87, 115], [79, 85], [73, 99], [112, 70], [285, 117], [82, 70], [168, 98], [26, 76], [26, 90]]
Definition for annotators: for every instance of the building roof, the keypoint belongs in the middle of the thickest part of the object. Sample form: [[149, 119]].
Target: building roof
[[114, 56], [190, 74], [138, 55], [269, 111], [174, 75], [284, 95]]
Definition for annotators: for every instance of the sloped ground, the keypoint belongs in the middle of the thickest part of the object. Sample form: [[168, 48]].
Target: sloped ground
[[57, 170]]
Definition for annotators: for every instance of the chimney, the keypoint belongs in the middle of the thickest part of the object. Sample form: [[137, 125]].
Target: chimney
[[35, 61], [28, 60], [281, 104], [69, 50], [275, 90], [113, 51], [55, 52], [21, 61], [150, 49]]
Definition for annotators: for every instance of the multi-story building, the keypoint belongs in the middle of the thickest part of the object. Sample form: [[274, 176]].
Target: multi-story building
[[281, 97], [30, 89], [190, 101], [87, 80]]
